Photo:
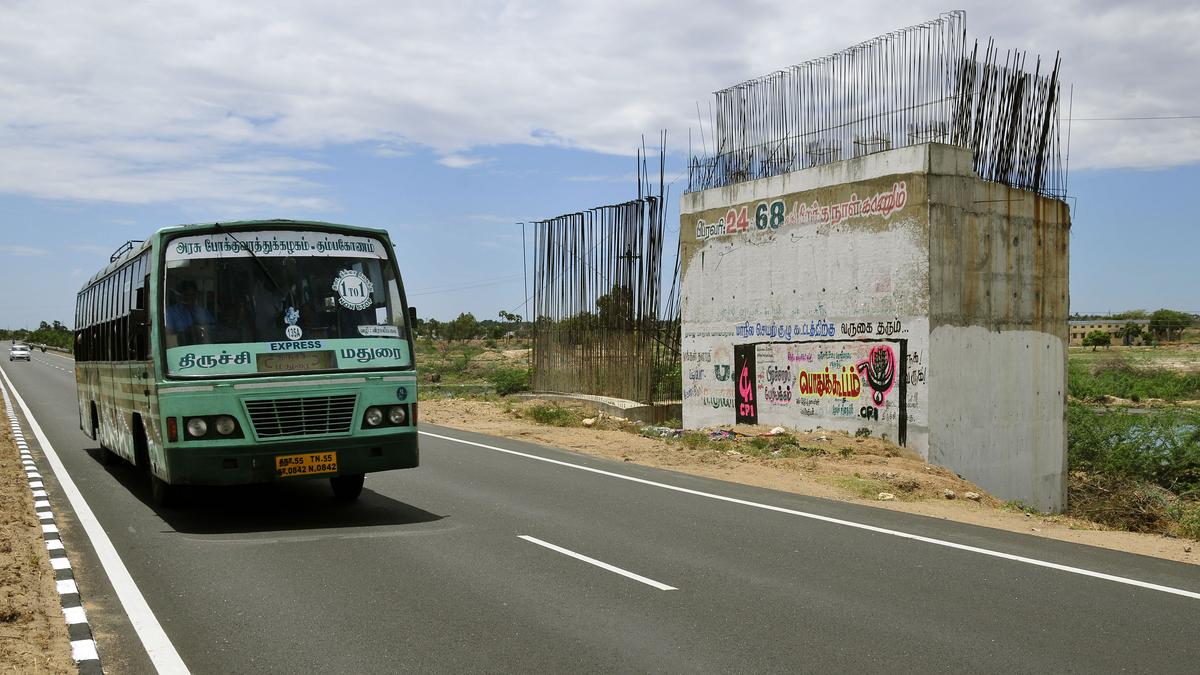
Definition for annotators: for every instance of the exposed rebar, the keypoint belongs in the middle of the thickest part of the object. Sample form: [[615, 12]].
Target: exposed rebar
[[910, 86], [601, 322]]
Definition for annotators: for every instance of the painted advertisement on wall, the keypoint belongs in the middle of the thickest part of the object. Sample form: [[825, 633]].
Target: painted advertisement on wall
[[856, 382], [808, 308], [858, 375]]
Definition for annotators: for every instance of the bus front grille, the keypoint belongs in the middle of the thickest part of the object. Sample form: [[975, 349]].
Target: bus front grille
[[280, 417]]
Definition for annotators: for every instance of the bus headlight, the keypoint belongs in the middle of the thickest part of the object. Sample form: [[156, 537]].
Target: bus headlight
[[197, 427], [374, 416], [396, 414], [225, 425]]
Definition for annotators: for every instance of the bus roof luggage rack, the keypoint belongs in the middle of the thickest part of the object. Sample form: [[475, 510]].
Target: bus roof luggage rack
[[124, 248]]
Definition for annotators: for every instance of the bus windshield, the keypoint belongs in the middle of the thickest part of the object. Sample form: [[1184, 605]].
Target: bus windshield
[[304, 301]]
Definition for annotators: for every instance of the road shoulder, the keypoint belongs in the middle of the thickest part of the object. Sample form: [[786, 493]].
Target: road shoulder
[[832, 477]]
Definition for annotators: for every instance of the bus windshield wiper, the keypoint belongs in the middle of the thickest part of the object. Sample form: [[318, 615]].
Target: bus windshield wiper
[[257, 260]]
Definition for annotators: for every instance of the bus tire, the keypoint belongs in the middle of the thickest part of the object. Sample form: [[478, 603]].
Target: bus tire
[[347, 488]]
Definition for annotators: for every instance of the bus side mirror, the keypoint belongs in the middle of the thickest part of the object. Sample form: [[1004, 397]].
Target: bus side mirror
[[412, 315], [137, 317]]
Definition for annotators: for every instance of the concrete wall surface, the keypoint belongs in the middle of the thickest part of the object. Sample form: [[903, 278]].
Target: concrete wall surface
[[885, 293], [998, 347], [795, 286]]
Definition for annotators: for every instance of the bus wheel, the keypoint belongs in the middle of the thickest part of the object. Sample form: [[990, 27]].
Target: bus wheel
[[347, 488], [163, 493]]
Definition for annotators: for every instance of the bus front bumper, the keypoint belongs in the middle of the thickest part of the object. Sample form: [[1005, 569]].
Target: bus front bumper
[[238, 465]]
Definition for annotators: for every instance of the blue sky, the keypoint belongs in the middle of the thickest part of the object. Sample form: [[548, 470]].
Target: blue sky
[[449, 126]]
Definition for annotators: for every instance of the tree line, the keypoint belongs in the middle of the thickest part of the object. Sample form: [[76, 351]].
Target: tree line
[[50, 334], [466, 327], [1163, 325]]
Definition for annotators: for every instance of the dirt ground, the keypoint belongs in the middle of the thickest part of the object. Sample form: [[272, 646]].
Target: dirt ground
[[870, 467], [33, 633]]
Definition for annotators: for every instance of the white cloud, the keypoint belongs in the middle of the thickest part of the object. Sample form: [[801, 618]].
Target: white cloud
[[222, 101], [456, 161], [23, 251], [98, 249]]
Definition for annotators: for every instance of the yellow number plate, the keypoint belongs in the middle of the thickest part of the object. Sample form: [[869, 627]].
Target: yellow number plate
[[306, 464]]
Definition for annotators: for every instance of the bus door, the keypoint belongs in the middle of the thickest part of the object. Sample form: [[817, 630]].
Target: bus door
[[140, 377]]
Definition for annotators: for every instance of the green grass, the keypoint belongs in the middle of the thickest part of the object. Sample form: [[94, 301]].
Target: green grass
[[510, 380], [553, 415], [781, 446], [458, 362], [1161, 447], [1020, 507], [1094, 379], [866, 488], [1148, 358]]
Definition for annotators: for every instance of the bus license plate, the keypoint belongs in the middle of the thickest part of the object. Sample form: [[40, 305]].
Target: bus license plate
[[306, 464]]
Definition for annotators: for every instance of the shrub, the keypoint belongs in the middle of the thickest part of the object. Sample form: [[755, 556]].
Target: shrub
[[1115, 377], [694, 440], [668, 382], [1124, 503], [510, 380], [553, 415], [1160, 447]]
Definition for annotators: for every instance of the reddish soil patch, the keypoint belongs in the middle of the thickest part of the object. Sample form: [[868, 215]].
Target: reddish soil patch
[[33, 633]]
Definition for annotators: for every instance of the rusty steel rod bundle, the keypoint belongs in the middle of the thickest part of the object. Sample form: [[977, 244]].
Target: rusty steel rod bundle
[[602, 324], [910, 86]]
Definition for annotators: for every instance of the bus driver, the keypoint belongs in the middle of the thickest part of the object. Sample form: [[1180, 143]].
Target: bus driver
[[187, 321]]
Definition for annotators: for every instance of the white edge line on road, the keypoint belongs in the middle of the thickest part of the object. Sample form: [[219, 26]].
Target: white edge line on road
[[597, 563], [158, 646], [845, 523]]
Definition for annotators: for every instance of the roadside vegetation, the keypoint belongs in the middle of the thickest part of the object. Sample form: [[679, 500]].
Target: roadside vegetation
[[1133, 421], [1133, 434], [49, 334], [470, 356], [1123, 377]]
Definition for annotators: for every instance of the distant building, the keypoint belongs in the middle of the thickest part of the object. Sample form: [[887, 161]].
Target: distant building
[[1080, 328]]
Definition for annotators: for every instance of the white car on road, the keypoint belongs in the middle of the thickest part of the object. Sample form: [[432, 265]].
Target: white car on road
[[18, 352]]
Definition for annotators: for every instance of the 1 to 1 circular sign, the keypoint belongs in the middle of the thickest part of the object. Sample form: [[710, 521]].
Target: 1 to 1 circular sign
[[354, 289]]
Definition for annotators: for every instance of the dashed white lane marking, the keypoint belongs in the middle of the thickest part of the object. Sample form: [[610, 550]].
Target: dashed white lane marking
[[838, 521], [51, 365], [63, 357], [598, 563]]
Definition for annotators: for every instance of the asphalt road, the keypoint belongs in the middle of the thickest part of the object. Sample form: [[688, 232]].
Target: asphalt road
[[429, 572]]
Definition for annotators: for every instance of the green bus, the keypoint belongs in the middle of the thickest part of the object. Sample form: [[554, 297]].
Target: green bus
[[247, 352]]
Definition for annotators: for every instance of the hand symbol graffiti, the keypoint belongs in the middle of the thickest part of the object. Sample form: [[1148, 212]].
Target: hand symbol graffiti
[[880, 370]]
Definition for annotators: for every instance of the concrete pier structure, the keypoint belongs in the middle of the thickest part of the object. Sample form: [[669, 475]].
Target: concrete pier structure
[[896, 293]]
